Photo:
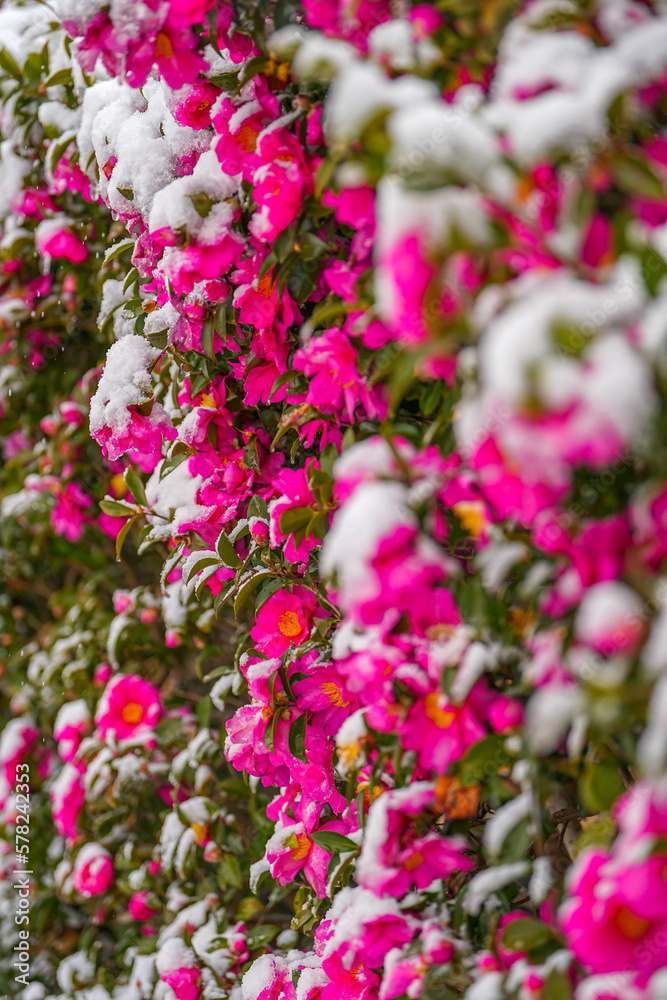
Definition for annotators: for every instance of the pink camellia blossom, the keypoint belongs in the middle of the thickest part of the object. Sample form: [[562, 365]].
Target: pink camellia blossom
[[403, 972], [186, 983], [55, 238], [177, 967], [614, 919], [291, 849], [284, 620], [425, 20], [360, 930], [393, 858], [239, 130], [610, 618], [280, 183], [505, 713], [93, 871], [129, 708], [441, 732], [68, 517], [16, 741], [67, 797], [138, 906], [123, 415], [335, 385], [296, 493], [194, 105], [72, 723]]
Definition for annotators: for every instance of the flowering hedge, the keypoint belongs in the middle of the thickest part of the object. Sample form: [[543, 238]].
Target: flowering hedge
[[333, 524]]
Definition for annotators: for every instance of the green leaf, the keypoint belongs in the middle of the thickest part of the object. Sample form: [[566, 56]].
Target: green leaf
[[135, 486], [122, 535], [251, 455], [199, 565], [226, 550], [526, 935], [557, 986], [229, 872], [259, 937], [482, 760], [634, 176], [204, 712], [600, 785], [247, 587], [335, 843], [654, 269], [9, 64], [117, 508], [295, 519], [207, 334], [202, 203], [297, 738], [63, 76]]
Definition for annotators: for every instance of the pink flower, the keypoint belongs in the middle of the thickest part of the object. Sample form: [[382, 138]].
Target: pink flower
[[336, 384], [186, 983], [129, 708], [441, 732], [138, 906], [291, 849], [425, 20], [68, 516], [296, 493], [54, 238], [280, 183], [194, 108], [505, 713], [393, 857], [16, 741], [93, 870], [284, 620], [614, 919], [72, 722], [67, 797], [361, 929]]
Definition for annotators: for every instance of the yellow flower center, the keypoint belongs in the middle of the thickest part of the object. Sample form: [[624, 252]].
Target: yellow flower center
[[132, 713], [630, 924], [414, 862], [333, 693], [163, 47], [302, 849], [471, 515], [443, 717], [288, 624]]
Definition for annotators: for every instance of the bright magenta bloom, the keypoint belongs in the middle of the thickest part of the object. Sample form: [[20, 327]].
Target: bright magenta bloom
[[129, 708], [93, 870], [393, 857], [67, 798], [138, 906], [54, 238], [285, 620]]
